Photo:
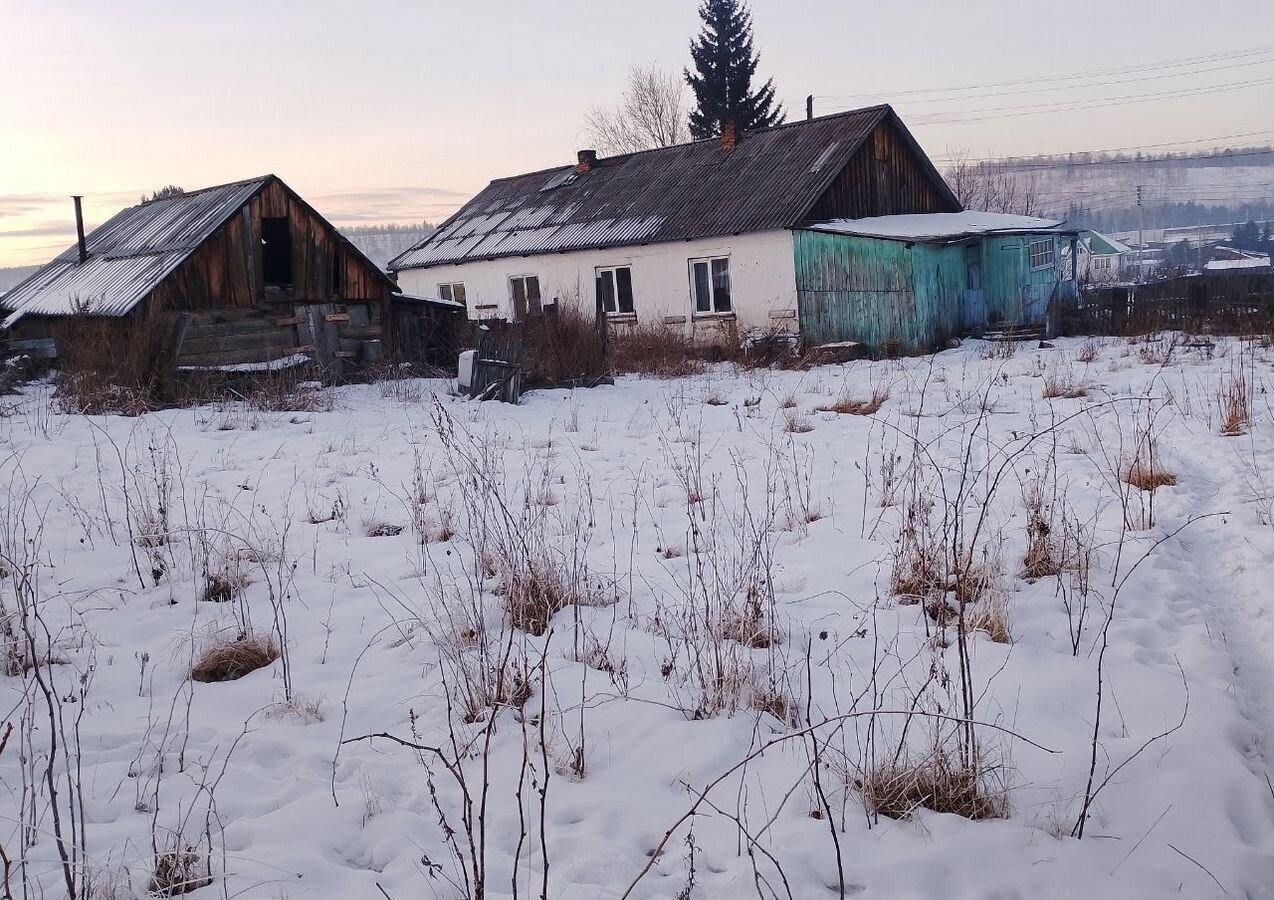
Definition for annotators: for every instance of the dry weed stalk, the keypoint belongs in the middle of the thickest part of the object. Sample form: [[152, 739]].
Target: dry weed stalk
[[1236, 407]]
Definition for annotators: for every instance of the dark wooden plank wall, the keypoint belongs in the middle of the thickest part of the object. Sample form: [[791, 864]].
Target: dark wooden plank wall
[[227, 270], [884, 178]]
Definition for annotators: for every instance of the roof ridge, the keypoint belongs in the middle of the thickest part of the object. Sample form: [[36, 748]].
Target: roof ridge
[[204, 190], [601, 160]]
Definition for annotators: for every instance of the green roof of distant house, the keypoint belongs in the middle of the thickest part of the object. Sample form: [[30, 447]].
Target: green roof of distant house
[[1101, 245]]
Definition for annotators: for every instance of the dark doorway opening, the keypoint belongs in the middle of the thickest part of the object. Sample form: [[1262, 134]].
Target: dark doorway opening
[[276, 249]]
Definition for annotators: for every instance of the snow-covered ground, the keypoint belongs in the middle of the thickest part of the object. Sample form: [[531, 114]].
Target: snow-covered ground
[[737, 651]]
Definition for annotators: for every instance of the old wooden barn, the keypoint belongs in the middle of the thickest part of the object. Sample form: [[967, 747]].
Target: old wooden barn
[[242, 276]]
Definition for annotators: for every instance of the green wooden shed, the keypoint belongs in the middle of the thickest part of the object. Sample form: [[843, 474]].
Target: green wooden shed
[[913, 282]]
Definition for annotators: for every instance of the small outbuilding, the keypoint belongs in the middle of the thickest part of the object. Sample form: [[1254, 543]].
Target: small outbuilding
[[241, 276], [914, 281]]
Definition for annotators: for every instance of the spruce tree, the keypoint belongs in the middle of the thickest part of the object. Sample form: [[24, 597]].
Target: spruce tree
[[724, 63]]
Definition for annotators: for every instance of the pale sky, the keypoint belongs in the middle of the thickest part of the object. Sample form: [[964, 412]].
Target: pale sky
[[399, 110]]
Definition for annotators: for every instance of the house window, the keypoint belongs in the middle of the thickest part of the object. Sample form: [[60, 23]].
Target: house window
[[1041, 253], [276, 250], [453, 291], [338, 274], [710, 285], [524, 291], [1101, 263], [615, 290], [973, 266]]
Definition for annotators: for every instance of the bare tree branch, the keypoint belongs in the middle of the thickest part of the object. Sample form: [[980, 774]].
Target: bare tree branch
[[651, 113]]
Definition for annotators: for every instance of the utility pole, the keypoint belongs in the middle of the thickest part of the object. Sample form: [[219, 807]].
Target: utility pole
[[1200, 254], [1141, 236]]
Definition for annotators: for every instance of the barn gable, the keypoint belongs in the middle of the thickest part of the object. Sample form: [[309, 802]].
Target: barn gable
[[199, 250]]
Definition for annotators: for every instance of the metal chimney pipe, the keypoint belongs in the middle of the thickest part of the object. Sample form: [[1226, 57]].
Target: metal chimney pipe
[[79, 228]]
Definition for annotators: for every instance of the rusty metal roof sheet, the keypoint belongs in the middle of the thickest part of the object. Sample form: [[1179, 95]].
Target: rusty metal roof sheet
[[129, 255], [770, 181]]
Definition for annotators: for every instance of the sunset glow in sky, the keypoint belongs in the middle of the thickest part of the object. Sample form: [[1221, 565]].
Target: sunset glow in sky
[[385, 111]]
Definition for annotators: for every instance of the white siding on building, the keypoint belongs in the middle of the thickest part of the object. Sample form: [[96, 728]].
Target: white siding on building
[[762, 281]]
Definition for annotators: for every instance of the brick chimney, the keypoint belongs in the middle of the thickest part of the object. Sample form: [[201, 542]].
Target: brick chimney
[[729, 136], [587, 161]]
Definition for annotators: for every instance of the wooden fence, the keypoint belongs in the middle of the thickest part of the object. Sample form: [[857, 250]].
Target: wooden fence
[[1230, 304]]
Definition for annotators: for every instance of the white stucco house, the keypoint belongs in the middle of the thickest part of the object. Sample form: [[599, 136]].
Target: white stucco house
[[697, 236], [1102, 259]]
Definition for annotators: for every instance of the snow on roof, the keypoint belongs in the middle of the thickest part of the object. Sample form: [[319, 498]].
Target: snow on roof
[[432, 301], [938, 226], [1096, 240], [1260, 262]]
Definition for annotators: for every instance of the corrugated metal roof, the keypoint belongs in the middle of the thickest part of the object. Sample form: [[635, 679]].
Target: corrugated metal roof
[[696, 190], [128, 255]]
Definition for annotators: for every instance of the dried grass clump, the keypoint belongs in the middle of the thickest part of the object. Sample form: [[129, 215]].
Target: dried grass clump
[[229, 660], [1088, 351], [848, 405], [540, 588], [1235, 406], [1042, 558], [795, 423], [991, 615], [748, 627], [656, 351], [714, 398], [401, 390], [1145, 471], [180, 871], [222, 587], [288, 391], [769, 699], [918, 562], [383, 529], [1062, 387], [938, 782]]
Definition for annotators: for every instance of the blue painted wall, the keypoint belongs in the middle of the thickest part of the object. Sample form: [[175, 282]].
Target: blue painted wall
[[917, 296]]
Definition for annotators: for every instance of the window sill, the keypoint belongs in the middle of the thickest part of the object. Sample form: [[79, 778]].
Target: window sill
[[621, 317], [706, 316]]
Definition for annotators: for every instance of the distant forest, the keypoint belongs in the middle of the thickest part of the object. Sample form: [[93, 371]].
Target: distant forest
[[392, 228], [1169, 215], [1097, 190]]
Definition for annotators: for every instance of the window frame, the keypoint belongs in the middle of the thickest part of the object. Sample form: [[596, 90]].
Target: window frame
[[1048, 256], [618, 311], [449, 287], [527, 312], [713, 307]]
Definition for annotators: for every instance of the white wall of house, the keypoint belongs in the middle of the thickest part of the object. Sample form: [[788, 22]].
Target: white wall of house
[[1099, 268], [762, 282]]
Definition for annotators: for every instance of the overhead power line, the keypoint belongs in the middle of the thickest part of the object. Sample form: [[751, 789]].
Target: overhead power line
[[969, 116], [1078, 87], [1077, 76]]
